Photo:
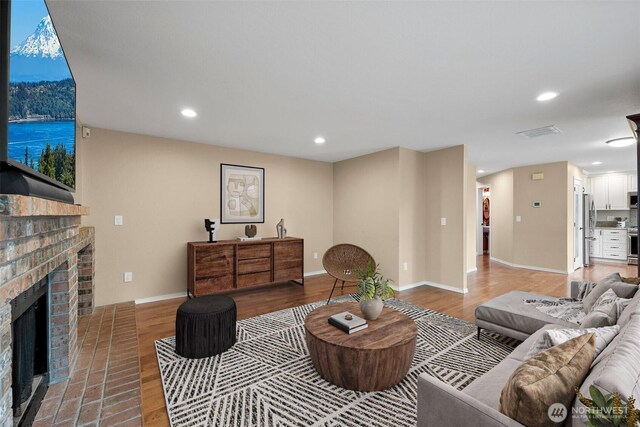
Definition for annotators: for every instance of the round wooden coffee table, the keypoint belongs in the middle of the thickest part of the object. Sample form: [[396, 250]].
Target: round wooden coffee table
[[375, 358]]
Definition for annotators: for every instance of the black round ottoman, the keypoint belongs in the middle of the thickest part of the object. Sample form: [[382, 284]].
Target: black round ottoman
[[205, 326]]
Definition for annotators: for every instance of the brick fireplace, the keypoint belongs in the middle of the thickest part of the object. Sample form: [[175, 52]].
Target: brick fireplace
[[43, 239]]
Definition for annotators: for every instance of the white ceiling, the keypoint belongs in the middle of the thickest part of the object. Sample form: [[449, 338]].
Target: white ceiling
[[271, 76]]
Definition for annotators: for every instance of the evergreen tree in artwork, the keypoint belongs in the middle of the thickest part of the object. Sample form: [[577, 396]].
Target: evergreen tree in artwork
[[26, 156], [58, 164]]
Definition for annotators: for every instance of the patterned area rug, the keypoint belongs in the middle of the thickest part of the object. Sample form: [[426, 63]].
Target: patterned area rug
[[267, 378]]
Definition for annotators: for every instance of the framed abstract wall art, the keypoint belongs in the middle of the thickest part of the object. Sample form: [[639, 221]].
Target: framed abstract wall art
[[241, 194]]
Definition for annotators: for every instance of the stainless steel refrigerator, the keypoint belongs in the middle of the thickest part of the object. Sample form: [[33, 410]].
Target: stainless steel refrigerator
[[589, 215]]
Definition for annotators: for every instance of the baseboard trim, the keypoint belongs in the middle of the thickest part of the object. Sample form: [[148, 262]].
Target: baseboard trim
[[446, 287], [315, 273], [407, 286], [473, 270], [529, 267], [161, 297]]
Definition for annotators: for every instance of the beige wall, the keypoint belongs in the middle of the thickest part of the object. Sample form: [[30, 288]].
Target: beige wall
[[165, 188], [540, 239], [471, 210], [412, 224], [398, 218], [543, 238], [445, 182], [501, 211], [366, 206]]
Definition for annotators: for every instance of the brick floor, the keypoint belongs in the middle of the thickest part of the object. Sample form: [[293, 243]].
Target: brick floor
[[104, 387]]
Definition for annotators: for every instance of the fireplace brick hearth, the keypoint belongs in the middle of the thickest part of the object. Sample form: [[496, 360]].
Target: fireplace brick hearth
[[44, 239]]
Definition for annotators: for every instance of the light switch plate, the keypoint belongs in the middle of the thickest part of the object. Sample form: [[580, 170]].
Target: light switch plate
[[118, 220], [128, 276], [518, 218], [443, 221]]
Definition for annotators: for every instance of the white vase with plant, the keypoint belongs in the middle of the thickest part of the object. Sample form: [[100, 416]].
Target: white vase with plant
[[373, 289]]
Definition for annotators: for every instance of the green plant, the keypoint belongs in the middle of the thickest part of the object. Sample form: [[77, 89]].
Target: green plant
[[373, 284], [608, 409]]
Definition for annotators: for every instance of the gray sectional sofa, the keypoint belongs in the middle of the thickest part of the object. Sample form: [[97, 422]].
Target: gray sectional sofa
[[617, 368]]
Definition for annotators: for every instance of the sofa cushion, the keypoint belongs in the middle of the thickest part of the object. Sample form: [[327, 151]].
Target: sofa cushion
[[510, 310], [553, 337], [487, 388], [547, 378], [613, 281], [617, 368], [630, 310]]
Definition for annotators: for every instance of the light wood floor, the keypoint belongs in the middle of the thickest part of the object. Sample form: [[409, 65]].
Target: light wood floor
[[157, 320]]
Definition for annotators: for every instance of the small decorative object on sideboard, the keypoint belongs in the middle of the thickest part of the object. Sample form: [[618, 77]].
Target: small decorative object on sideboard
[[211, 225], [282, 232], [348, 322], [373, 289], [250, 230]]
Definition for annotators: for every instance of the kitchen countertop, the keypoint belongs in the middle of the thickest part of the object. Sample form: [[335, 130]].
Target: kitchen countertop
[[613, 228]]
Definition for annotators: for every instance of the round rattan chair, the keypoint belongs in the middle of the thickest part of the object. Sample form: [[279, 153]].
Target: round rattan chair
[[346, 262]]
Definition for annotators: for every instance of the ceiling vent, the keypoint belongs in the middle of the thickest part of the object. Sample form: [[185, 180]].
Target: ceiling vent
[[535, 133]]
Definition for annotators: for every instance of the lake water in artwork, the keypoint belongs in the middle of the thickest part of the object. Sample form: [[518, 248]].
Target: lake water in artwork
[[36, 135]]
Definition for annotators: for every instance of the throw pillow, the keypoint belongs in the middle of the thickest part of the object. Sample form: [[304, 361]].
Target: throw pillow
[[596, 319], [632, 280], [553, 337], [548, 377], [613, 281], [605, 310]]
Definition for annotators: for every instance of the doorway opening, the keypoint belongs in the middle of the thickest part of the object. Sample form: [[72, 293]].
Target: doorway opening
[[484, 221]]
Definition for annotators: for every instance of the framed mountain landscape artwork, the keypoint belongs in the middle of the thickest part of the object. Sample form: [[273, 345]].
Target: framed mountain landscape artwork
[[241, 194], [42, 97]]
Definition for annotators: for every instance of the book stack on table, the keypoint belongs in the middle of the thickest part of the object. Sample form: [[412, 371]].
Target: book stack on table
[[348, 322]]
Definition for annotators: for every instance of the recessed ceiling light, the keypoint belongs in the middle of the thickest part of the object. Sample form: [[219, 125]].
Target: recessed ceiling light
[[546, 96], [480, 171], [319, 140], [188, 112], [596, 163], [621, 142]]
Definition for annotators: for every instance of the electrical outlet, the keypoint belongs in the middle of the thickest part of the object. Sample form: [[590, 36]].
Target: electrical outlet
[[443, 221], [118, 220], [128, 276], [315, 255], [518, 218], [405, 266]]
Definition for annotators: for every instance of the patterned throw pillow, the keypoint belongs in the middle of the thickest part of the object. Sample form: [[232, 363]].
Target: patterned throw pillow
[[553, 337], [605, 310], [548, 377], [614, 282]]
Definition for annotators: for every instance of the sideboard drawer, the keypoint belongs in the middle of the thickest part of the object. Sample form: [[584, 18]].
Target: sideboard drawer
[[213, 284], [257, 265], [254, 251], [253, 279]]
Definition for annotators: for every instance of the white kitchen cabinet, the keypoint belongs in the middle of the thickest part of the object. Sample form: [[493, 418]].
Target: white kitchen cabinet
[[609, 244], [632, 182], [595, 247], [600, 191], [610, 191], [618, 189]]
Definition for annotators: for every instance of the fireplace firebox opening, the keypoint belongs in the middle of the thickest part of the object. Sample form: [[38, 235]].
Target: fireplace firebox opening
[[30, 351]]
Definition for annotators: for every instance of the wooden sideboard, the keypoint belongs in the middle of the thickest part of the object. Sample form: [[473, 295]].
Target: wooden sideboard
[[227, 265]]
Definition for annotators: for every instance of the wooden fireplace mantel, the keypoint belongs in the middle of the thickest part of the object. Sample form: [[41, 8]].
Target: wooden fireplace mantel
[[13, 205]]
